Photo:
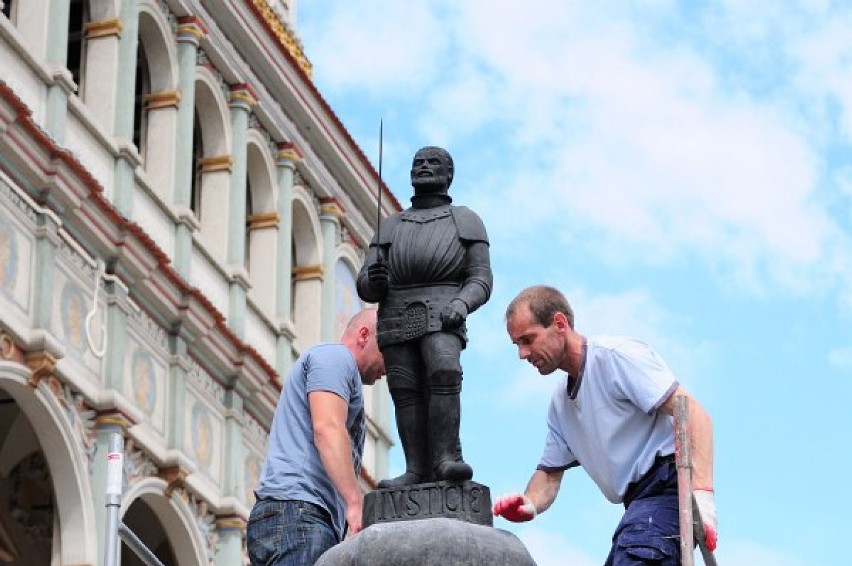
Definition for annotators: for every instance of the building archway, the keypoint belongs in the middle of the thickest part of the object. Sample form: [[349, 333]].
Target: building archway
[[214, 162], [262, 222], [40, 456], [156, 119], [167, 525], [307, 270]]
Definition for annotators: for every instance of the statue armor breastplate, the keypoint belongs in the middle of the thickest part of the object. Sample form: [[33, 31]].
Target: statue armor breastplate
[[426, 264]]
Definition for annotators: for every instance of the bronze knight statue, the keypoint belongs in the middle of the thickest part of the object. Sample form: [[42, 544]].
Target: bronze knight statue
[[428, 267]]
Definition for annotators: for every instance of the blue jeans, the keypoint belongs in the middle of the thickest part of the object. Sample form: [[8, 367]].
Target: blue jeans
[[288, 533], [649, 531]]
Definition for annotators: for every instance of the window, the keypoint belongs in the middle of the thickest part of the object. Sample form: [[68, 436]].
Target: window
[[249, 212], [197, 153], [143, 87], [78, 15], [7, 9]]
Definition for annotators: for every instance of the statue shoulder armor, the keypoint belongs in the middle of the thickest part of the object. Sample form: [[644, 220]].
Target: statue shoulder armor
[[389, 225], [468, 224]]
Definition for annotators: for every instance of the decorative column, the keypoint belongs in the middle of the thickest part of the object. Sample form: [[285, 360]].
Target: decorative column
[[330, 213], [125, 92], [56, 54], [307, 303], [242, 100], [37, 21], [229, 549], [179, 367], [47, 240], [263, 232], [233, 475], [118, 309], [229, 528], [162, 110], [102, 63], [189, 34], [110, 420], [288, 157], [213, 214]]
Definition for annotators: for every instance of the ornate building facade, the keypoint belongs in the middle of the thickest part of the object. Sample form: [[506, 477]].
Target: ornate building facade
[[181, 214]]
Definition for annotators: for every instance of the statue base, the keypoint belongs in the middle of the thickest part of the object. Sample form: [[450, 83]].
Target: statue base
[[428, 542], [466, 501]]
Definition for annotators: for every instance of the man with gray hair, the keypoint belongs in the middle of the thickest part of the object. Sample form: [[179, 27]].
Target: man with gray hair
[[612, 415]]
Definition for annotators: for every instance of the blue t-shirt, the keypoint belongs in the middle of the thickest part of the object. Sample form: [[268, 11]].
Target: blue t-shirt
[[293, 469], [612, 428]]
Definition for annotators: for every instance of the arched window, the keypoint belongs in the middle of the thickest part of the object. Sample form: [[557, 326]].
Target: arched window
[[143, 88], [145, 523], [155, 126], [249, 212], [78, 15], [8, 11], [347, 302], [262, 223], [197, 154], [307, 269]]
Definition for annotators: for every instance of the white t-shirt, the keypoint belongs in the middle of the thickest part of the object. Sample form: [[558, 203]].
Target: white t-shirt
[[613, 428]]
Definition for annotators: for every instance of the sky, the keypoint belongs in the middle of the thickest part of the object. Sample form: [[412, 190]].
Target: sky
[[682, 171]]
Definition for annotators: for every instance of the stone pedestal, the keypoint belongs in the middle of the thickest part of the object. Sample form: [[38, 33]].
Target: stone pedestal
[[429, 542], [428, 524], [467, 501]]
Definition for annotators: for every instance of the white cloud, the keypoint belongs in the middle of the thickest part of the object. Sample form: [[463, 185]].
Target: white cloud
[[825, 67], [549, 548], [750, 553], [841, 358], [378, 46], [644, 143], [632, 313], [525, 387]]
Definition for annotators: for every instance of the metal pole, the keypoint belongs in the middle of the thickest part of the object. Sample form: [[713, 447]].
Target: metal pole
[[379, 258], [114, 527], [683, 458], [115, 470]]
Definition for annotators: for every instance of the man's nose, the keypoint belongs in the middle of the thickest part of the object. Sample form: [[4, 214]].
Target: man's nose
[[523, 352]]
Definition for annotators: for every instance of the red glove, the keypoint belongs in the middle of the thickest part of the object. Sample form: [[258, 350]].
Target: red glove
[[515, 507], [706, 505]]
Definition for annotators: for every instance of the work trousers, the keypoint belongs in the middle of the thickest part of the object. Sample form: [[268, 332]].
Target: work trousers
[[649, 531]]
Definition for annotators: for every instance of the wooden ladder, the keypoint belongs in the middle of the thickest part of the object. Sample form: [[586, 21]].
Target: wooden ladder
[[691, 527]]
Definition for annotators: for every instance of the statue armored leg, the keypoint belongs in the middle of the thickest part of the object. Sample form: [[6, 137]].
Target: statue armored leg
[[411, 410], [442, 351]]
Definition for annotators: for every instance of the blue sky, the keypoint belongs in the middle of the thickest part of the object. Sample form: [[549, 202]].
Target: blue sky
[[683, 172]]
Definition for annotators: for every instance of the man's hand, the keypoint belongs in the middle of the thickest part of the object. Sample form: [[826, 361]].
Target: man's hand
[[454, 314], [379, 277], [515, 507], [354, 512], [706, 504]]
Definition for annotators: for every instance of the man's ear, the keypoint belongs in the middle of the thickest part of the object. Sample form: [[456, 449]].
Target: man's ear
[[561, 321]]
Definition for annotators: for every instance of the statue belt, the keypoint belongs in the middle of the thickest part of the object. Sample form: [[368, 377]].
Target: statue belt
[[410, 312]]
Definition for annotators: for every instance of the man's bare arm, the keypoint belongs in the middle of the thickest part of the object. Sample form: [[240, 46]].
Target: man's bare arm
[[328, 415], [543, 488], [700, 433]]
